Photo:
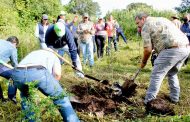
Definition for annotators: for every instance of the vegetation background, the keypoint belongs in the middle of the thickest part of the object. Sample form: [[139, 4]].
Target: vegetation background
[[19, 18]]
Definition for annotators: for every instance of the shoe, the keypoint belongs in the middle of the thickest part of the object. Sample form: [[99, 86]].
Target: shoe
[[170, 100], [13, 100]]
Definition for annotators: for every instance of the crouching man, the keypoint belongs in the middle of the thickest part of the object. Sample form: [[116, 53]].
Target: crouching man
[[44, 67], [8, 53]]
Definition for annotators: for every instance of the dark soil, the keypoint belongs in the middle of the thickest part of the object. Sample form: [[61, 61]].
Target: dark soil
[[96, 98], [159, 106], [99, 99], [129, 88]]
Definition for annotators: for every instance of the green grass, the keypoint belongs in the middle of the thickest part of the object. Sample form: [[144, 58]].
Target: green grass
[[117, 67]]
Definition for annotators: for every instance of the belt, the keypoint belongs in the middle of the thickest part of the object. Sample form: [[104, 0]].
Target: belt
[[181, 46], [31, 67]]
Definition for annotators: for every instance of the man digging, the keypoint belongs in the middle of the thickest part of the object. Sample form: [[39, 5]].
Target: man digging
[[172, 46]]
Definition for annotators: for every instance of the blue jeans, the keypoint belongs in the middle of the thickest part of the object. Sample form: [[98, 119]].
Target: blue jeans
[[87, 51], [120, 33], [168, 62], [6, 73], [110, 40], [49, 86]]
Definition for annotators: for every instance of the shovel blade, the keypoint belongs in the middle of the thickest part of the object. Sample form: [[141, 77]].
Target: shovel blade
[[74, 99]]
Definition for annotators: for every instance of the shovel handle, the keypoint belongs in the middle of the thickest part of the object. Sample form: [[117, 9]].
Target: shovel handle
[[136, 74], [5, 64], [64, 60], [75, 68]]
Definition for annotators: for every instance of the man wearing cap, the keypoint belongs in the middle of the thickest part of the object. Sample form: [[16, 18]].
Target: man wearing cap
[[61, 17], [59, 36], [41, 29], [176, 21], [172, 48], [45, 71], [8, 53], [86, 30]]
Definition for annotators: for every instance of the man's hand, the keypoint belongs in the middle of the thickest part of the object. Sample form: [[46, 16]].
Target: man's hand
[[86, 31], [146, 55], [143, 64]]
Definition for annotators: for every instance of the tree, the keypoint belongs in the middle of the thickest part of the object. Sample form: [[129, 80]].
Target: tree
[[137, 6], [83, 6], [184, 7]]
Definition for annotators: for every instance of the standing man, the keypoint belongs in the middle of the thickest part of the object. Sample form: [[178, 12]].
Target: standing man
[[41, 29], [44, 67], [59, 36], [171, 45], [185, 28], [8, 52], [86, 30]]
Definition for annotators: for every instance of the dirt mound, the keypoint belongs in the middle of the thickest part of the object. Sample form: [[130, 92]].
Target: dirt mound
[[129, 88], [159, 106], [96, 98]]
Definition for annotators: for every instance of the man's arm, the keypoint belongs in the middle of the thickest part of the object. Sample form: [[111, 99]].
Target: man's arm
[[71, 44], [57, 69], [147, 46], [146, 54], [13, 58], [37, 31]]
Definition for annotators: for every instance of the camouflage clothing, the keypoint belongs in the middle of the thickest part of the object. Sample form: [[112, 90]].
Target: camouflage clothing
[[82, 27], [160, 33]]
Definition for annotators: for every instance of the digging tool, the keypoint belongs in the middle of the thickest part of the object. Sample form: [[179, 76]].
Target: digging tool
[[5, 64], [106, 82], [132, 81], [128, 86]]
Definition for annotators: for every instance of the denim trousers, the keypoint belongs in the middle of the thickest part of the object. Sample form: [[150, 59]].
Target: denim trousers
[[110, 40], [168, 63], [49, 86], [6, 73], [122, 35], [87, 51], [64, 50]]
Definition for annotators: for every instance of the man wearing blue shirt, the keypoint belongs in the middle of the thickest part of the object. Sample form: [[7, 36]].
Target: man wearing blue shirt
[[8, 53], [58, 36]]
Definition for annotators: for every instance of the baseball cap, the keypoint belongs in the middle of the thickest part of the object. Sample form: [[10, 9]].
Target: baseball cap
[[44, 16], [59, 29], [85, 15], [62, 13]]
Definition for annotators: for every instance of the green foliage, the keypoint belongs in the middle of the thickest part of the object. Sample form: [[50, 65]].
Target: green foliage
[[184, 7], [83, 6], [126, 17]]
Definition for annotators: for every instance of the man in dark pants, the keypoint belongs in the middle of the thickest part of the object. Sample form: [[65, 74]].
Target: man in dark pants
[[58, 36], [8, 53]]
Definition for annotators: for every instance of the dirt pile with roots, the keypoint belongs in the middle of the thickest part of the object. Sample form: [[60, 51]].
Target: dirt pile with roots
[[99, 98]]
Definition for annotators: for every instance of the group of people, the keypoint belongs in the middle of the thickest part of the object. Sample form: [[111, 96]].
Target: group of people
[[43, 66], [88, 36]]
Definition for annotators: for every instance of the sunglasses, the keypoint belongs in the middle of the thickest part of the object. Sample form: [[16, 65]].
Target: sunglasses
[[45, 19]]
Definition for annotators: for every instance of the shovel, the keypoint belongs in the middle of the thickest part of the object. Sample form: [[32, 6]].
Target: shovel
[[105, 82], [130, 83], [128, 86]]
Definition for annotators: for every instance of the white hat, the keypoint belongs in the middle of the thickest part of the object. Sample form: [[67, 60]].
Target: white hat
[[62, 13]]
